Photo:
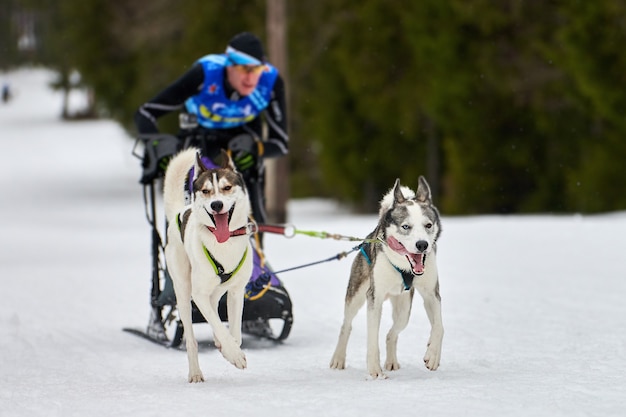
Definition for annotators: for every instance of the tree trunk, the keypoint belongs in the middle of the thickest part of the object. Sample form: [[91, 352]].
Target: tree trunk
[[277, 185]]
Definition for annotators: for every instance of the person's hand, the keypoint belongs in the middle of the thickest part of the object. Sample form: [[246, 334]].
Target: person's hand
[[159, 150], [164, 162], [244, 151]]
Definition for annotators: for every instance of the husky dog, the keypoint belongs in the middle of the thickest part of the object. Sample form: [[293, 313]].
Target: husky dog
[[208, 251], [400, 258]]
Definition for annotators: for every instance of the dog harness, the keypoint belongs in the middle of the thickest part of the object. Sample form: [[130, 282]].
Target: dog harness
[[217, 267], [407, 277]]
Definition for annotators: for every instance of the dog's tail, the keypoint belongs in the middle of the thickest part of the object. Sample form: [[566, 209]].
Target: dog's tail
[[174, 182]]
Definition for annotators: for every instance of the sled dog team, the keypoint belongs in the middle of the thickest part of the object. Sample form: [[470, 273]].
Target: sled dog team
[[208, 257]]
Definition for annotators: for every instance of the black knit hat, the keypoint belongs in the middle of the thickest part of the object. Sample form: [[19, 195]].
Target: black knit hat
[[245, 48]]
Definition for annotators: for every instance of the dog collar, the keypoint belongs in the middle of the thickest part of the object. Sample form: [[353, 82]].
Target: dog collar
[[219, 269]]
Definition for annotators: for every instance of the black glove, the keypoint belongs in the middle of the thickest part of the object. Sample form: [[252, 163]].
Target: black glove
[[244, 150], [159, 150]]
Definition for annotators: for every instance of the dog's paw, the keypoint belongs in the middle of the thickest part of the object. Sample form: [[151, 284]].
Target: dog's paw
[[338, 363], [377, 373], [392, 365], [236, 357], [241, 362], [196, 377], [432, 358]]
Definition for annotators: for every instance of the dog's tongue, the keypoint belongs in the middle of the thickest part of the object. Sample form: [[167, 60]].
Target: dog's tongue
[[395, 245], [222, 233], [417, 262], [415, 259]]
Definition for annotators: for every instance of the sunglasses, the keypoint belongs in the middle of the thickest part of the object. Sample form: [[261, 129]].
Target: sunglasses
[[249, 69]]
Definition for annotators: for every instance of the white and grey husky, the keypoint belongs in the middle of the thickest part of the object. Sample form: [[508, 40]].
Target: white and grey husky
[[205, 253], [399, 258]]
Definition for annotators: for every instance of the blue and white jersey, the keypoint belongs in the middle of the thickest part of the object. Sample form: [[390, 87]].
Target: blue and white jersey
[[216, 111]]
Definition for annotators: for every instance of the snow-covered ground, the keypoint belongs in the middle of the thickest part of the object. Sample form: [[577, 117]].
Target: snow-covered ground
[[534, 307]]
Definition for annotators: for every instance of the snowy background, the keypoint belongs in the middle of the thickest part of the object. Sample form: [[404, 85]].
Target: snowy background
[[534, 307]]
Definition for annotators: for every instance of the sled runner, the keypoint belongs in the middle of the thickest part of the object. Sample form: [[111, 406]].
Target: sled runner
[[267, 311]]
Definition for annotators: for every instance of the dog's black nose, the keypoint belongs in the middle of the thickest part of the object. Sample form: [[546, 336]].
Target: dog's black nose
[[217, 205], [421, 245]]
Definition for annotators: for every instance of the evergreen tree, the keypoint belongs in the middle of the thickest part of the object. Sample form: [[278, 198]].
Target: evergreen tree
[[506, 106]]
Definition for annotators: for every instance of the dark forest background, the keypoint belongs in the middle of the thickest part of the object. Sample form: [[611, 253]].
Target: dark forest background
[[507, 106]]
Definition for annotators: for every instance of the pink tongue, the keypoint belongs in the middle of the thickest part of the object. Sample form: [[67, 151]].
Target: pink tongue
[[222, 233], [395, 245], [415, 259]]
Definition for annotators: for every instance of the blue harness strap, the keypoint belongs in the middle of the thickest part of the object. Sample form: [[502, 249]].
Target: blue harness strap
[[407, 277], [367, 258]]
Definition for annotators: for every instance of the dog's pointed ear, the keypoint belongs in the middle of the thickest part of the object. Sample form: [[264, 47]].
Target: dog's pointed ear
[[199, 166], [398, 197], [227, 161], [423, 190]]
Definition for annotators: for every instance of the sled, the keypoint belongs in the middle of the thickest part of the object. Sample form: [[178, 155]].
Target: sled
[[267, 309]]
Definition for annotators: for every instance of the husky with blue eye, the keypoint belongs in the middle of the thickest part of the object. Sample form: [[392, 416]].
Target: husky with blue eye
[[397, 258], [208, 250]]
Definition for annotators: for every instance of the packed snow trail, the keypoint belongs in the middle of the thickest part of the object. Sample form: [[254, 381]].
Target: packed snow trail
[[533, 306]]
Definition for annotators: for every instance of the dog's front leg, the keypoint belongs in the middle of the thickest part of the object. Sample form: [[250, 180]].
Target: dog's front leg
[[352, 306], [183, 297], [184, 309], [235, 311], [216, 296], [179, 268], [401, 311], [229, 348], [374, 313], [432, 305]]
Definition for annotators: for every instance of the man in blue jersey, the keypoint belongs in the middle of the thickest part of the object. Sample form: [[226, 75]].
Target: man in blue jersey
[[236, 101]]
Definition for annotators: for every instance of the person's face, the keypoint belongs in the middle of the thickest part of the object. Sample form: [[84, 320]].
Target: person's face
[[244, 78]]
